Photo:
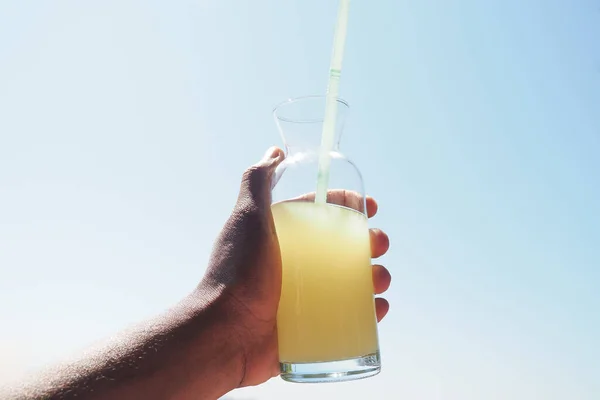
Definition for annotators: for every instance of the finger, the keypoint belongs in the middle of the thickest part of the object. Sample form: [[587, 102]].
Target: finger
[[380, 242], [256, 181], [381, 279], [381, 308], [372, 207]]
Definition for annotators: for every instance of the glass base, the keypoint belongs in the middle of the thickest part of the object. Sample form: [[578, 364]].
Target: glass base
[[333, 371]]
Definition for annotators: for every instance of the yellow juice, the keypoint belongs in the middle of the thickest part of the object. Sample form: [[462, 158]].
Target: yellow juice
[[326, 311]]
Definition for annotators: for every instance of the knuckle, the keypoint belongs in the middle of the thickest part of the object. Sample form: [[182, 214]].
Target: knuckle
[[255, 174]]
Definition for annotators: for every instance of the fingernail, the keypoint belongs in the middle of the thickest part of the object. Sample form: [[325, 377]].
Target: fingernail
[[272, 154]]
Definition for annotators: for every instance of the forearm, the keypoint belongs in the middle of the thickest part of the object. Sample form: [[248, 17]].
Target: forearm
[[187, 353]]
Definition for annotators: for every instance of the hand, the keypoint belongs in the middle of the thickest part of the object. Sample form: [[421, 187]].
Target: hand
[[245, 270], [223, 335]]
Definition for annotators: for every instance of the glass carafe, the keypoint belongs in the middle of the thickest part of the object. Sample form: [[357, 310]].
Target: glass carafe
[[327, 328]]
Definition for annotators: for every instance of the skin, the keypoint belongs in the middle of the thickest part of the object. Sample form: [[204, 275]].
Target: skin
[[220, 337]]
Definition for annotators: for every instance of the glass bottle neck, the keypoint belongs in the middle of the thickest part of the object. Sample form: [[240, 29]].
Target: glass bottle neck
[[301, 123]]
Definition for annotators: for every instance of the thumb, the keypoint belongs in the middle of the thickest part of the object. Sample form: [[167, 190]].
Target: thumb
[[255, 190]]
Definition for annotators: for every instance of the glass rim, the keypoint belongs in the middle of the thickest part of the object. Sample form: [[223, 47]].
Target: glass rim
[[293, 100]]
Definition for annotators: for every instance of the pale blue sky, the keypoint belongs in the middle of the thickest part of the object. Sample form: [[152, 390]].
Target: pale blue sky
[[125, 126]]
